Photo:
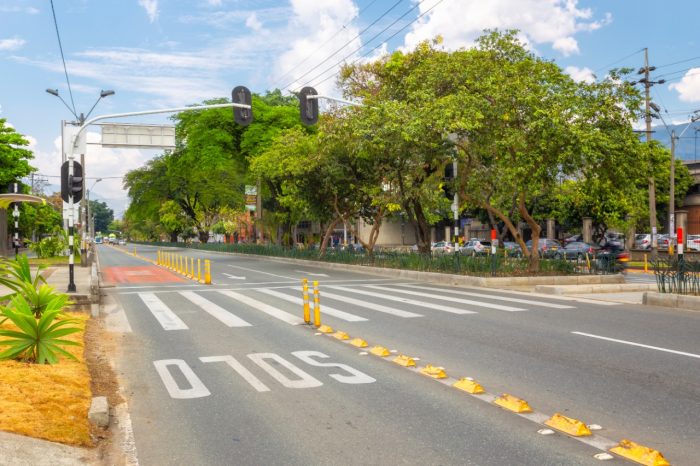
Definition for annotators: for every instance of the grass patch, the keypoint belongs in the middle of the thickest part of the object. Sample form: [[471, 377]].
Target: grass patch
[[48, 261], [48, 401]]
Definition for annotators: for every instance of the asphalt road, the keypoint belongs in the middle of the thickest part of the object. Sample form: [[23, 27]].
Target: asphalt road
[[223, 374]]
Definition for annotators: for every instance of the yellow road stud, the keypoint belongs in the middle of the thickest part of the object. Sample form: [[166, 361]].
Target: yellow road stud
[[405, 361], [512, 403], [639, 453], [469, 386], [568, 425], [359, 342], [325, 329], [341, 335], [305, 297], [434, 372], [380, 351]]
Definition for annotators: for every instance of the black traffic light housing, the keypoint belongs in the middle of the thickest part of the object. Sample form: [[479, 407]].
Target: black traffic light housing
[[448, 181], [308, 107], [72, 185], [241, 95]]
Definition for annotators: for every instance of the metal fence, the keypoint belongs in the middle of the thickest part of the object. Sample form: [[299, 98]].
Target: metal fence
[[677, 276]]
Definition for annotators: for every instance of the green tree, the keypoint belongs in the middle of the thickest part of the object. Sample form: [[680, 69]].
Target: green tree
[[103, 215], [14, 158], [172, 220]]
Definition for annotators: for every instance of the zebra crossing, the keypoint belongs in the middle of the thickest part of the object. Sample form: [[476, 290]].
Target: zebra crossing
[[359, 302]]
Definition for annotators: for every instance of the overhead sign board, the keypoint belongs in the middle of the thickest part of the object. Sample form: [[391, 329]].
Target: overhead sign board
[[138, 136], [251, 197]]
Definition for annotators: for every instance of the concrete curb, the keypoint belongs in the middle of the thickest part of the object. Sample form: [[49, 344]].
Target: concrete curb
[[446, 278], [601, 288], [679, 301], [99, 411]]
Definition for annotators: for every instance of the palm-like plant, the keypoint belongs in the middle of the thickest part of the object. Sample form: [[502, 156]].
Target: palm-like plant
[[40, 339]]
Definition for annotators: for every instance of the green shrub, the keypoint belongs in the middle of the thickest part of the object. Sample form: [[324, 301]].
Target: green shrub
[[50, 246]]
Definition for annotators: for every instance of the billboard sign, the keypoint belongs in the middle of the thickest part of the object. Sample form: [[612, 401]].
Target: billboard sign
[[138, 136]]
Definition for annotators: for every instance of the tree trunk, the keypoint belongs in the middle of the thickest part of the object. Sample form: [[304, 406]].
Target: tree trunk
[[420, 225], [326, 236], [173, 237], [203, 235], [534, 265]]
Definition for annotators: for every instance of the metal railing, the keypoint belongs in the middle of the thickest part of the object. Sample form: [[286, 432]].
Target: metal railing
[[677, 276]]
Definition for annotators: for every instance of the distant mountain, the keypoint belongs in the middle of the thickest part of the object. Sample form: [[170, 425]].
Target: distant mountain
[[688, 147]]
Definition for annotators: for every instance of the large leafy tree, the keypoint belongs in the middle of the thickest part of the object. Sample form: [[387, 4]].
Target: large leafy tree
[[14, 158], [102, 214]]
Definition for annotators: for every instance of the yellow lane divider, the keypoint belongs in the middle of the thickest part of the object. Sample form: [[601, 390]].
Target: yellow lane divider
[[183, 265], [569, 426]]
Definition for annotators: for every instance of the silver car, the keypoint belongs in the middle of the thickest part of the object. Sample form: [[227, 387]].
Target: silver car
[[642, 241]]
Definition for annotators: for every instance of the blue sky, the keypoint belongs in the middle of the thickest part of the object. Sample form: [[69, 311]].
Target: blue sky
[[166, 53]]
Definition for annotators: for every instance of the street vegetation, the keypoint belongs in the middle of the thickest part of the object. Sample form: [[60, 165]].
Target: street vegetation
[[530, 143]]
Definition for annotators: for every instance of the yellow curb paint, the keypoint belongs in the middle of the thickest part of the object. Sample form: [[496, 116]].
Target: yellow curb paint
[[341, 335], [639, 453], [568, 425], [434, 372], [512, 403], [469, 386], [325, 329], [403, 360], [359, 342], [380, 351]]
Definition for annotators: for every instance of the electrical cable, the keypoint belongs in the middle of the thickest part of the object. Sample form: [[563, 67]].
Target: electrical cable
[[65, 69], [278, 79], [348, 42], [677, 62], [620, 60]]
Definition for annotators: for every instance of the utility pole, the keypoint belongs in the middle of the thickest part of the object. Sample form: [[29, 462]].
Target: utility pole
[[672, 189]]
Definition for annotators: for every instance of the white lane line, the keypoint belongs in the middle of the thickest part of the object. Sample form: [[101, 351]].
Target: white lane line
[[312, 273], [631, 343], [264, 273], [325, 309], [215, 310], [451, 299], [372, 306], [414, 302], [213, 287], [560, 297], [488, 296], [266, 308], [233, 277], [165, 317]]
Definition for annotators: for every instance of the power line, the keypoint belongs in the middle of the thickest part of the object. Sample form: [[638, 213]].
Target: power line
[[370, 40], [60, 46], [386, 40], [348, 43], [620, 60], [326, 42], [677, 62]]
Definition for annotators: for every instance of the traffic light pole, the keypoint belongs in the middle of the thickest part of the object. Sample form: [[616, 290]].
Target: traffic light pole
[[71, 159]]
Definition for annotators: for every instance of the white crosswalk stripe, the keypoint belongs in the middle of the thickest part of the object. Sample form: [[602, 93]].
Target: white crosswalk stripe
[[165, 317], [451, 299], [489, 296], [327, 310], [413, 302], [266, 308], [215, 310], [372, 306]]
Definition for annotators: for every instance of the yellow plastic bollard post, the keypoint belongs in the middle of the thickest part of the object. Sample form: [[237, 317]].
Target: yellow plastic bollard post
[[588, 261], [305, 296], [646, 266], [192, 267], [317, 306], [207, 272], [199, 270]]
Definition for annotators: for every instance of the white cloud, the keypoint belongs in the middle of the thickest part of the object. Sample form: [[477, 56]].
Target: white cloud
[[689, 87], [580, 74], [254, 23], [460, 22], [151, 7], [18, 9], [11, 44], [317, 23]]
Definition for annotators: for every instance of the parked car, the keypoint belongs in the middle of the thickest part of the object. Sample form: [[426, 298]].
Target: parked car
[[576, 250], [547, 248], [476, 247], [442, 247], [512, 249], [572, 238], [693, 242], [664, 241], [642, 241]]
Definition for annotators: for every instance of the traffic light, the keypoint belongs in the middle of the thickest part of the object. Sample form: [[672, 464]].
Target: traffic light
[[308, 107], [448, 181], [72, 185], [241, 95]]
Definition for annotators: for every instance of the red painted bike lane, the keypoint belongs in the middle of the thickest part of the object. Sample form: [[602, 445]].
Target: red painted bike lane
[[139, 274]]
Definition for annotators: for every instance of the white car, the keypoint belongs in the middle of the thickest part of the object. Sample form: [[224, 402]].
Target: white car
[[693, 242]]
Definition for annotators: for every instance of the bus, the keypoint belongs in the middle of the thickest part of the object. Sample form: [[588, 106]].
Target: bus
[[98, 239]]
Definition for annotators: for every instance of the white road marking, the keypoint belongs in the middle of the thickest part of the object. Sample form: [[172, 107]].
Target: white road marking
[[559, 297], [197, 390], [357, 377], [451, 299], [233, 277], [324, 309], [215, 310], [488, 296], [631, 343], [305, 380], [373, 306], [311, 273], [414, 302], [115, 317], [165, 317], [240, 368], [264, 273], [266, 308]]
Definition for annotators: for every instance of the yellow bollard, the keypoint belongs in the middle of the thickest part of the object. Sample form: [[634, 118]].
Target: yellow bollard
[[179, 264], [317, 306], [191, 267], [134, 250], [199, 270], [207, 272], [646, 266], [305, 296], [588, 261]]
